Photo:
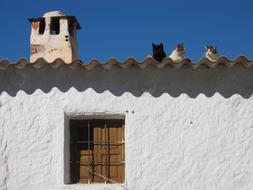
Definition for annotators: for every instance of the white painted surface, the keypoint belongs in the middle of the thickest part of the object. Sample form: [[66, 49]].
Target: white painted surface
[[53, 14], [51, 47], [192, 130]]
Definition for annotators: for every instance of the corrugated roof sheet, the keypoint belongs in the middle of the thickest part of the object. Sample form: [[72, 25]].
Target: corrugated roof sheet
[[22, 63]]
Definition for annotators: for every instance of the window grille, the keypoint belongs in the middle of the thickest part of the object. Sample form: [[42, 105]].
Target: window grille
[[97, 151]]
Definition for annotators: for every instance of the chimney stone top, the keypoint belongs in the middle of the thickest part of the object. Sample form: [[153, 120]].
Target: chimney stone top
[[53, 14]]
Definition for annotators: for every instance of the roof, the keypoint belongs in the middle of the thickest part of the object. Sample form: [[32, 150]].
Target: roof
[[149, 61]]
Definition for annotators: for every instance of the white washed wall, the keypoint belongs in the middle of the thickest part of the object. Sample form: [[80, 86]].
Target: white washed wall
[[185, 129]]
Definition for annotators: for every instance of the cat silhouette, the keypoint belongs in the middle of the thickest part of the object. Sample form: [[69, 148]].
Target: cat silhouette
[[177, 54], [211, 53], [158, 52]]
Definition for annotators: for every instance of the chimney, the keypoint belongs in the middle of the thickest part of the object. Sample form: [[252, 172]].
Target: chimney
[[53, 36]]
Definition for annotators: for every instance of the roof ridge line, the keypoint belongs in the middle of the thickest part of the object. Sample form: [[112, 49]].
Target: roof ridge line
[[223, 60]]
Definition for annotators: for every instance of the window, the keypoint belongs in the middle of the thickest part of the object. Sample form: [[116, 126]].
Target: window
[[71, 28], [97, 151], [42, 26], [55, 26]]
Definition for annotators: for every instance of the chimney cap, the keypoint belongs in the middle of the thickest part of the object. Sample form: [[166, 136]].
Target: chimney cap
[[53, 14], [57, 14]]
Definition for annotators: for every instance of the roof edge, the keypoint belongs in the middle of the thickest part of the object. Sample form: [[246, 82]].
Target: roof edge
[[223, 60]]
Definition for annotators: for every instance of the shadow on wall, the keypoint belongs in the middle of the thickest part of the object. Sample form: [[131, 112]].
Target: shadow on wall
[[222, 80]]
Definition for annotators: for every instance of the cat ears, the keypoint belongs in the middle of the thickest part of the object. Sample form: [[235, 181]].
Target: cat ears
[[210, 47], [180, 45], [156, 45]]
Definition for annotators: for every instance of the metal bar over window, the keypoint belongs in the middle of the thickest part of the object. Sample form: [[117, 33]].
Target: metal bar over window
[[89, 164], [94, 144]]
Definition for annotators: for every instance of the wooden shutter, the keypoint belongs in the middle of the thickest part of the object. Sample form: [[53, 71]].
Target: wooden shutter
[[81, 151], [109, 151], [97, 151]]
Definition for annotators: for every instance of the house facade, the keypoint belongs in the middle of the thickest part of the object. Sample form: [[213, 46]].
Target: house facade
[[131, 125]]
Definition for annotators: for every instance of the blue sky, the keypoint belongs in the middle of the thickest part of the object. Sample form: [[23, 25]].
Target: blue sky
[[122, 29]]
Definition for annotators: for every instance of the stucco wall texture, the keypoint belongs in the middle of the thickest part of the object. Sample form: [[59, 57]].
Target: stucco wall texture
[[185, 129], [50, 46]]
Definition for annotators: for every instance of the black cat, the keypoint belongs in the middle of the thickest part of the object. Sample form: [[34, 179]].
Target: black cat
[[158, 52]]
